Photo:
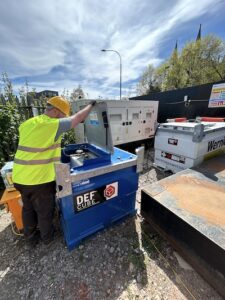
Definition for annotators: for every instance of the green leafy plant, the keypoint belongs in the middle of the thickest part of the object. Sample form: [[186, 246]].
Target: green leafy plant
[[10, 119], [68, 138]]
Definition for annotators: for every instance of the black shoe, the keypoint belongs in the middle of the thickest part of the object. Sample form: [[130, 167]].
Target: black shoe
[[33, 239], [49, 239]]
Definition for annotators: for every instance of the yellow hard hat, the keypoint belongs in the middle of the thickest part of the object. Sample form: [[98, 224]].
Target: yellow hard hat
[[61, 104]]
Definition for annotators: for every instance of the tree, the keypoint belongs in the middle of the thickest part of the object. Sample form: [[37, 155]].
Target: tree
[[202, 61], [8, 89], [65, 94], [215, 55], [199, 62], [10, 120], [174, 75], [77, 93], [22, 95], [148, 82], [161, 75], [31, 97]]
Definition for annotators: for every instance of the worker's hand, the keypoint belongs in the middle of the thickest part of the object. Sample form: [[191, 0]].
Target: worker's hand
[[93, 102]]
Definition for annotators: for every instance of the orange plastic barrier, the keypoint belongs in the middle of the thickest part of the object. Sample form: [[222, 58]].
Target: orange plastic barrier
[[211, 119], [177, 120], [13, 202]]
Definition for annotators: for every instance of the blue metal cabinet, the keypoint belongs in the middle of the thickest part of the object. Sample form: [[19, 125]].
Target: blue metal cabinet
[[96, 182]]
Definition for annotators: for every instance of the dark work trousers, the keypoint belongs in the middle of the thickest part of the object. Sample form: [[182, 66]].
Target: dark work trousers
[[38, 208]]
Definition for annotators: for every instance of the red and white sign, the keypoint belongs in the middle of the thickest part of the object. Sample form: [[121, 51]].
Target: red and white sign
[[111, 190], [173, 141], [94, 197], [177, 158]]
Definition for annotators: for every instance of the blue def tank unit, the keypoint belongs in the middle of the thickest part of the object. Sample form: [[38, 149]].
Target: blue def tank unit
[[96, 182]]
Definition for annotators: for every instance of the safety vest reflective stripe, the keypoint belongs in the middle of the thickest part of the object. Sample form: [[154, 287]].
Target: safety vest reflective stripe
[[32, 149], [36, 162]]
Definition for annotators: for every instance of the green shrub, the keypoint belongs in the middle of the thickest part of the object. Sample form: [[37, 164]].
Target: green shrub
[[10, 119], [68, 138]]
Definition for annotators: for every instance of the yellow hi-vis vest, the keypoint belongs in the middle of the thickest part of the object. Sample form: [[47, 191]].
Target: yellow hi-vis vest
[[37, 151]]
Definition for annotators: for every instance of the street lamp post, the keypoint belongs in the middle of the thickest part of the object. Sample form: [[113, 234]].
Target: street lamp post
[[104, 50]]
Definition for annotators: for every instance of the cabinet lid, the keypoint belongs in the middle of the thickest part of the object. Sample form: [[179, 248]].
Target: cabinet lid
[[97, 128]]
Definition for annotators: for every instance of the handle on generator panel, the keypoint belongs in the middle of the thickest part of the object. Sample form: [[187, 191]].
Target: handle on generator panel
[[105, 119], [106, 125]]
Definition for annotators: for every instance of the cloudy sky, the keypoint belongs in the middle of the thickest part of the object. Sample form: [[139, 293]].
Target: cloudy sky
[[56, 44]]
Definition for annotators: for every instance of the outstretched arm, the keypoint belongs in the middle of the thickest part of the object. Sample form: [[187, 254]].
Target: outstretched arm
[[66, 124], [81, 115]]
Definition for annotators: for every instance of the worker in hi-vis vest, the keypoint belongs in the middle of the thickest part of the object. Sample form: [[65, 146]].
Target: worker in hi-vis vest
[[33, 170]]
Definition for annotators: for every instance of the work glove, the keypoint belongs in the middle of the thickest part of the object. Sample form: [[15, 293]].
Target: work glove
[[93, 102]]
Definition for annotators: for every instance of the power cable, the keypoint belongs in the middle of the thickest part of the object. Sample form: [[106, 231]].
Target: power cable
[[14, 231]]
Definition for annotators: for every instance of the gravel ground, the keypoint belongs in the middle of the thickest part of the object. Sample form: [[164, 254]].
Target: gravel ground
[[120, 262]]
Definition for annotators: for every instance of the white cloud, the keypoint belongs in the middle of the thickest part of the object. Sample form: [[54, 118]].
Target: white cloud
[[56, 44]]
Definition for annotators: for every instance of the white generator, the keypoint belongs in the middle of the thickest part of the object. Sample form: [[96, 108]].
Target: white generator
[[179, 146], [130, 121]]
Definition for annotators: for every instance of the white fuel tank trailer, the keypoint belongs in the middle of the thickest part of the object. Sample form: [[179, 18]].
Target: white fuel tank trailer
[[179, 146]]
